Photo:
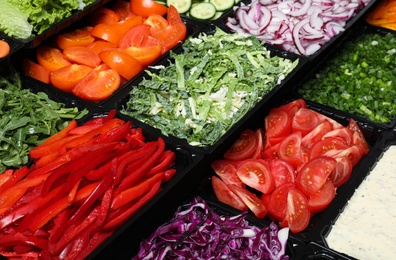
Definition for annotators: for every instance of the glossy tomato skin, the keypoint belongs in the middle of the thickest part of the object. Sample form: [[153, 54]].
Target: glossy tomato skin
[[147, 7], [344, 133], [297, 213], [146, 55], [342, 172], [82, 55], [317, 134], [290, 149], [277, 203], [66, 78], [358, 137], [77, 37], [352, 152], [322, 198], [260, 145], [282, 171], [314, 174], [36, 71], [277, 126], [126, 65], [227, 171], [304, 121], [50, 58], [254, 203], [226, 195], [243, 148], [319, 148], [256, 174]]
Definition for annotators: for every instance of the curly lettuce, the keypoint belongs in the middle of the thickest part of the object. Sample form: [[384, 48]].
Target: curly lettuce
[[13, 22]]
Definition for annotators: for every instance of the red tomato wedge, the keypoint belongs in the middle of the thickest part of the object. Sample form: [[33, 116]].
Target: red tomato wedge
[[314, 174], [353, 153], [99, 46], [156, 22], [270, 152], [321, 147], [297, 213], [126, 65], [317, 134], [50, 58], [290, 149], [344, 133], [123, 9], [103, 15], [322, 198], [282, 171], [146, 55], [225, 195], [227, 172], [136, 36], [36, 71], [82, 55], [277, 202], [277, 124], [66, 78], [172, 35], [77, 37], [342, 172], [358, 137], [260, 145], [254, 203], [254, 173], [146, 8], [304, 121], [243, 148]]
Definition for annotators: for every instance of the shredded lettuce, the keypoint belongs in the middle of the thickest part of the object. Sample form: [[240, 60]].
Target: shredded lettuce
[[207, 88], [13, 22]]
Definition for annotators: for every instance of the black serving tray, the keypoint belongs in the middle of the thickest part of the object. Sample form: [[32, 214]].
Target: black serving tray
[[119, 100], [355, 31], [315, 251]]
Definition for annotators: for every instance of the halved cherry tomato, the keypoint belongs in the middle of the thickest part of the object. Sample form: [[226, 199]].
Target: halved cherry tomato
[[126, 65], [343, 133], [157, 23], [147, 7], [342, 172], [224, 194], [103, 15], [99, 46], [358, 137], [146, 55], [282, 171], [172, 35], [297, 212], [316, 134], [243, 148], [66, 78], [277, 203], [304, 121], [321, 147], [322, 198], [36, 71], [227, 172], [50, 58], [82, 55], [277, 125], [290, 149], [314, 174], [257, 175], [77, 37], [254, 203], [99, 84]]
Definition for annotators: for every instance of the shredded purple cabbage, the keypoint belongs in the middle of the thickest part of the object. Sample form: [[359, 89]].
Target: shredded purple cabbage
[[200, 233]]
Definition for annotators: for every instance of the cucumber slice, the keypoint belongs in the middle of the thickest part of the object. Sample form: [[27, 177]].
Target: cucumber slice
[[203, 11], [222, 5], [182, 6]]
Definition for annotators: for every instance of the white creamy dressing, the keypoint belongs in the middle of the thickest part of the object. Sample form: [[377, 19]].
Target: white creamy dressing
[[366, 229]]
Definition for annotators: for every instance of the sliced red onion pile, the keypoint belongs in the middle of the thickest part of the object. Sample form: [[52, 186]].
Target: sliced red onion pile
[[197, 232], [298, 26]]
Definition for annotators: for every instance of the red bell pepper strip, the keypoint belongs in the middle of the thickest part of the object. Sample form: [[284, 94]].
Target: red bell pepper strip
[[21, 239], [61, 134], [10, 198], [106, 203], [5, 176], [167, 160], [74, 248], [43, 150], [97, 174], [83, 129], [168, 174], [60, 224], [136, 176], [46, 159], [112, 113], [114, 135], [16, 176], [129, 209], [136, 191], [97, 239]]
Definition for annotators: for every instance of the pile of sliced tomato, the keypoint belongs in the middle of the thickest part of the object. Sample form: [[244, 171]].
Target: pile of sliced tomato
[[86, 181], [290, 171], [117, 44]]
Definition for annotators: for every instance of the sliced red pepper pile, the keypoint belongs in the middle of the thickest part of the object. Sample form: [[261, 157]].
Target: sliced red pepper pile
[[84, 183]]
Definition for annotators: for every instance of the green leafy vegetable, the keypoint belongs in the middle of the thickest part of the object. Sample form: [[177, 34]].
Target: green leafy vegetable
[[26, 119], [208, 87], [13, 22], [361, 79]]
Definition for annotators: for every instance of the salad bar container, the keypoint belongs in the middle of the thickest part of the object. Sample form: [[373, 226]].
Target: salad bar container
[[193, 160]]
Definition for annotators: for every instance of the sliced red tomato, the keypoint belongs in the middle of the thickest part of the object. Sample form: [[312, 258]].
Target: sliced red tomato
[[103, 15], [171, 35], [321, 147], [254, 203], [100, 45], [99, 84], [270, 152], [77, 37], [322, 198], [146, 55], [107, 32], [257, 175], [157, 23], [82, 55], [343, 133], [243, 148], [358, 137], [227, 172], [277, 203], [282, 171], [342, 172], [314, 174], [50, 58], [290, 149], [36, 71], [316, 134], [126, 65], [304, 121], [146, 8], [297, 213], [226, 195], [123, 9], [322, 117], [277, 126], [173, 16], [136, 36], [127, 24], [353, 153], [259, 149], [66, 78], [299, 103]]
